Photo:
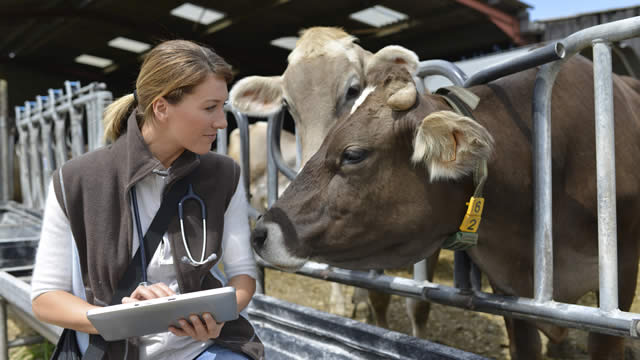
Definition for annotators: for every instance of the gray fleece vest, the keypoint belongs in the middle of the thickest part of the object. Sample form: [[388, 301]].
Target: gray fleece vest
[[96, 188]]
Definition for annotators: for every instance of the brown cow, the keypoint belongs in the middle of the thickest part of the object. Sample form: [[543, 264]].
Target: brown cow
[[387, 187], [326, 73]]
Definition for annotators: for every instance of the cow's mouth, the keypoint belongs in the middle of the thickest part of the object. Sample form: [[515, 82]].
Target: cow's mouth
[[268, 240]]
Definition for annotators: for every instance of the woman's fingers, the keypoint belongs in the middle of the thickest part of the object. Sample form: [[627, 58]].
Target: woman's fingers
[[153, 291], [213, 327], [195, 328]]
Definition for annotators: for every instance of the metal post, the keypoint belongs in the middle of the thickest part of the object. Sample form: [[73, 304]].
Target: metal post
[[46, 144], [35, 160], [77, 138], [4, 334], [59, 128], [542, 189], [606, 176], [272, 170], [221, 142], [6, 173], [23, 153]]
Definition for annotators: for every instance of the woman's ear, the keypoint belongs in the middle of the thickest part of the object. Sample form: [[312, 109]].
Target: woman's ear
[[160, 109]]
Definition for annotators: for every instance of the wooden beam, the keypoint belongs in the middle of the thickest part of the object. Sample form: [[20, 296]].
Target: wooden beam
[[509, 24]]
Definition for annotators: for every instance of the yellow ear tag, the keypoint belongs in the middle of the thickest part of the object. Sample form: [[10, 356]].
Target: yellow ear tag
[[472, 218]]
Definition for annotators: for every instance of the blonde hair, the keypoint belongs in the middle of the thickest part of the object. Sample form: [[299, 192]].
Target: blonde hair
[[170, 70]]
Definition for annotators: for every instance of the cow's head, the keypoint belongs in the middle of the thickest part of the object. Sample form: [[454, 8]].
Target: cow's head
[[327, 72], [385, 189]]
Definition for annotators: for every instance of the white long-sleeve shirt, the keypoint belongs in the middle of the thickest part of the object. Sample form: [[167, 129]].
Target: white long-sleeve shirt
[[58, 264]]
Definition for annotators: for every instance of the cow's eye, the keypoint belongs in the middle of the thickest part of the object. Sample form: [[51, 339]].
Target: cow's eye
[[352, 156], [353, 92]]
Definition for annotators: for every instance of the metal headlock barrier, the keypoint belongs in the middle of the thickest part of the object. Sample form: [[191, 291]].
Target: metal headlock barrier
[[51, 130], [607, 318]]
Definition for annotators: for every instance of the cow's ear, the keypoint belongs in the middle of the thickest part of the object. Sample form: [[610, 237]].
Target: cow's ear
[[392, 55], [450, 145], [257, 95]]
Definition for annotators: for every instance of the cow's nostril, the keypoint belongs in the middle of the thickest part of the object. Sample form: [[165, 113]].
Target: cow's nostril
[[259, 236]]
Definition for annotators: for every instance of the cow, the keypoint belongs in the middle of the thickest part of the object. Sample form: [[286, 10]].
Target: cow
[[390, 183], [258, 160], [327, 71]]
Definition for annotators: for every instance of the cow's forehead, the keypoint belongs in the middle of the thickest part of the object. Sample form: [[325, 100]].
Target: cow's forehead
[[327, 48]]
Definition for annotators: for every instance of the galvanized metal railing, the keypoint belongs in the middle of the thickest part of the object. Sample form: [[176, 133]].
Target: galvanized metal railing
[[6, 153], [606, 319], [43, 125]]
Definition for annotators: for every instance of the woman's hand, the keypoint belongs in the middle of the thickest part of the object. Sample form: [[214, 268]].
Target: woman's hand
[[152, 291], [198, 330]]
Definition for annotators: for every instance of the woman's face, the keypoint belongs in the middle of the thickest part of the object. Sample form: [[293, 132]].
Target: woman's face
[[194, 121]]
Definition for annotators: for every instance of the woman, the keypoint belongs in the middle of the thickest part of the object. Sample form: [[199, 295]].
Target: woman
[[160, 134]]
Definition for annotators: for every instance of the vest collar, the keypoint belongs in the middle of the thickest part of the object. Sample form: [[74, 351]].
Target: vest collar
[[140, 162]]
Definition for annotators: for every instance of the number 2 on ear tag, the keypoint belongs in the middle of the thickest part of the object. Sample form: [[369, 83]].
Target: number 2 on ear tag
[[472, 218]]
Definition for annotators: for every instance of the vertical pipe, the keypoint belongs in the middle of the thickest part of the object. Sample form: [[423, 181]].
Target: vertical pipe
[[542, 184], [4, 336], [35, 160], [46, 144], [23, 152], [75, 117], [59, 129], [606, 176], [272, 171], [6, 172], [221, 142]]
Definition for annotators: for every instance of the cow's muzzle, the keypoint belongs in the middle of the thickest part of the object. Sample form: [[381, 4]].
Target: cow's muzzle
[[259, 235]]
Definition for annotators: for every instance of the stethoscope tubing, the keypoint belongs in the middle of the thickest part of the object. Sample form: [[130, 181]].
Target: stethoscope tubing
[[191, 195]]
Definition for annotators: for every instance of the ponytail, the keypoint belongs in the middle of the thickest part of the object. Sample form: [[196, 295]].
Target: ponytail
[[115, 117]]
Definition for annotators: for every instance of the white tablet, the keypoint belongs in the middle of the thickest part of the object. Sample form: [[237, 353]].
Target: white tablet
[[145, 317]]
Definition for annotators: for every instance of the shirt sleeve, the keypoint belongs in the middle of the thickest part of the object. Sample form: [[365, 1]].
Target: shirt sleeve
[[237, 253], [53, 267]]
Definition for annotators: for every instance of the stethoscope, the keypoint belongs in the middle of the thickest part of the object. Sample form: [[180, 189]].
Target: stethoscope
[[191, 195]]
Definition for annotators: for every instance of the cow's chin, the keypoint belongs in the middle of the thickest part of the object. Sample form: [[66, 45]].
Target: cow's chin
[[369, 263]]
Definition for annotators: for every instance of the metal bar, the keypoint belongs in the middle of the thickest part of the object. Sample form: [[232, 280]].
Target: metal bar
[[542, 183], [543, 55], [606, 176], [610, 32], [4, 334], [443, 68], [77, 137], [272, 170], [17, 293], [23, 151], [59, 128], [243, 126], [46, 145], [28, 340], [6, 173], [616, 323], [221, 142], [276, 151]]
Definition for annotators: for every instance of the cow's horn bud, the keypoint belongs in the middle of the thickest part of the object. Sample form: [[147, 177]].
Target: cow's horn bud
[[403, 99]]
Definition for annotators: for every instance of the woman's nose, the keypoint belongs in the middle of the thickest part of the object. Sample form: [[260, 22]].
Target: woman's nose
[[220, 121]]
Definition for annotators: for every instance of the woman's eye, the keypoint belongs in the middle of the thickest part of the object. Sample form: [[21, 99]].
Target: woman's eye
[[212, 107], [353, 156]]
